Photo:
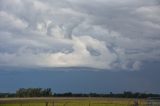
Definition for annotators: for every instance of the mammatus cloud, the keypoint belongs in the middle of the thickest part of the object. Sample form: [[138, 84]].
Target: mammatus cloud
[[104, 34]]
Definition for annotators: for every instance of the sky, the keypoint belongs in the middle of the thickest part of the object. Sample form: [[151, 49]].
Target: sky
[[66, 40]]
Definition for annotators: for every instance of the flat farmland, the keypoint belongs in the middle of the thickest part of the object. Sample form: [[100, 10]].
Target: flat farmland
[[70, 101]]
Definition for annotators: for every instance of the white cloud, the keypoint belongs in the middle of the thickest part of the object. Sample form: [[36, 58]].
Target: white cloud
[[79, 57], [10, 21], [104, 34]]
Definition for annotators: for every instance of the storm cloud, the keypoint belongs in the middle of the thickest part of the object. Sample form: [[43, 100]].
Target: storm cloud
[[103, 34]]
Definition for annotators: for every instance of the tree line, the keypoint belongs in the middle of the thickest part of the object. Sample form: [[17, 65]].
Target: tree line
[[34, 92], [125, 94], [41, 92]]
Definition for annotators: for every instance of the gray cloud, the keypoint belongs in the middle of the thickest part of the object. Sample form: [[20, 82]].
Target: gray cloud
[[105, 34]]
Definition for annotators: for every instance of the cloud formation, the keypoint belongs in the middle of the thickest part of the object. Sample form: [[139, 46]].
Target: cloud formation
[[104, 34]]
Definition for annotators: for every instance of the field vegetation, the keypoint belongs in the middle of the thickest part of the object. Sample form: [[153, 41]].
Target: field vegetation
[[71, 102]]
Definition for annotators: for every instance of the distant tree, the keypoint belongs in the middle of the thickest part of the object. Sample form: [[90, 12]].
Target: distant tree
[[34, 92], [128, 94]]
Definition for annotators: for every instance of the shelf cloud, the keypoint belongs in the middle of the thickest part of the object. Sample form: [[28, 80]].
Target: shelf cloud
[[103, 34]]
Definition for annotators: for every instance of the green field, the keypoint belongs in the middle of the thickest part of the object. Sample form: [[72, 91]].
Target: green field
[[70, 102]]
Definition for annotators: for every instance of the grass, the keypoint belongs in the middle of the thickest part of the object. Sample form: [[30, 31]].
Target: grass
[[77, 102]]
